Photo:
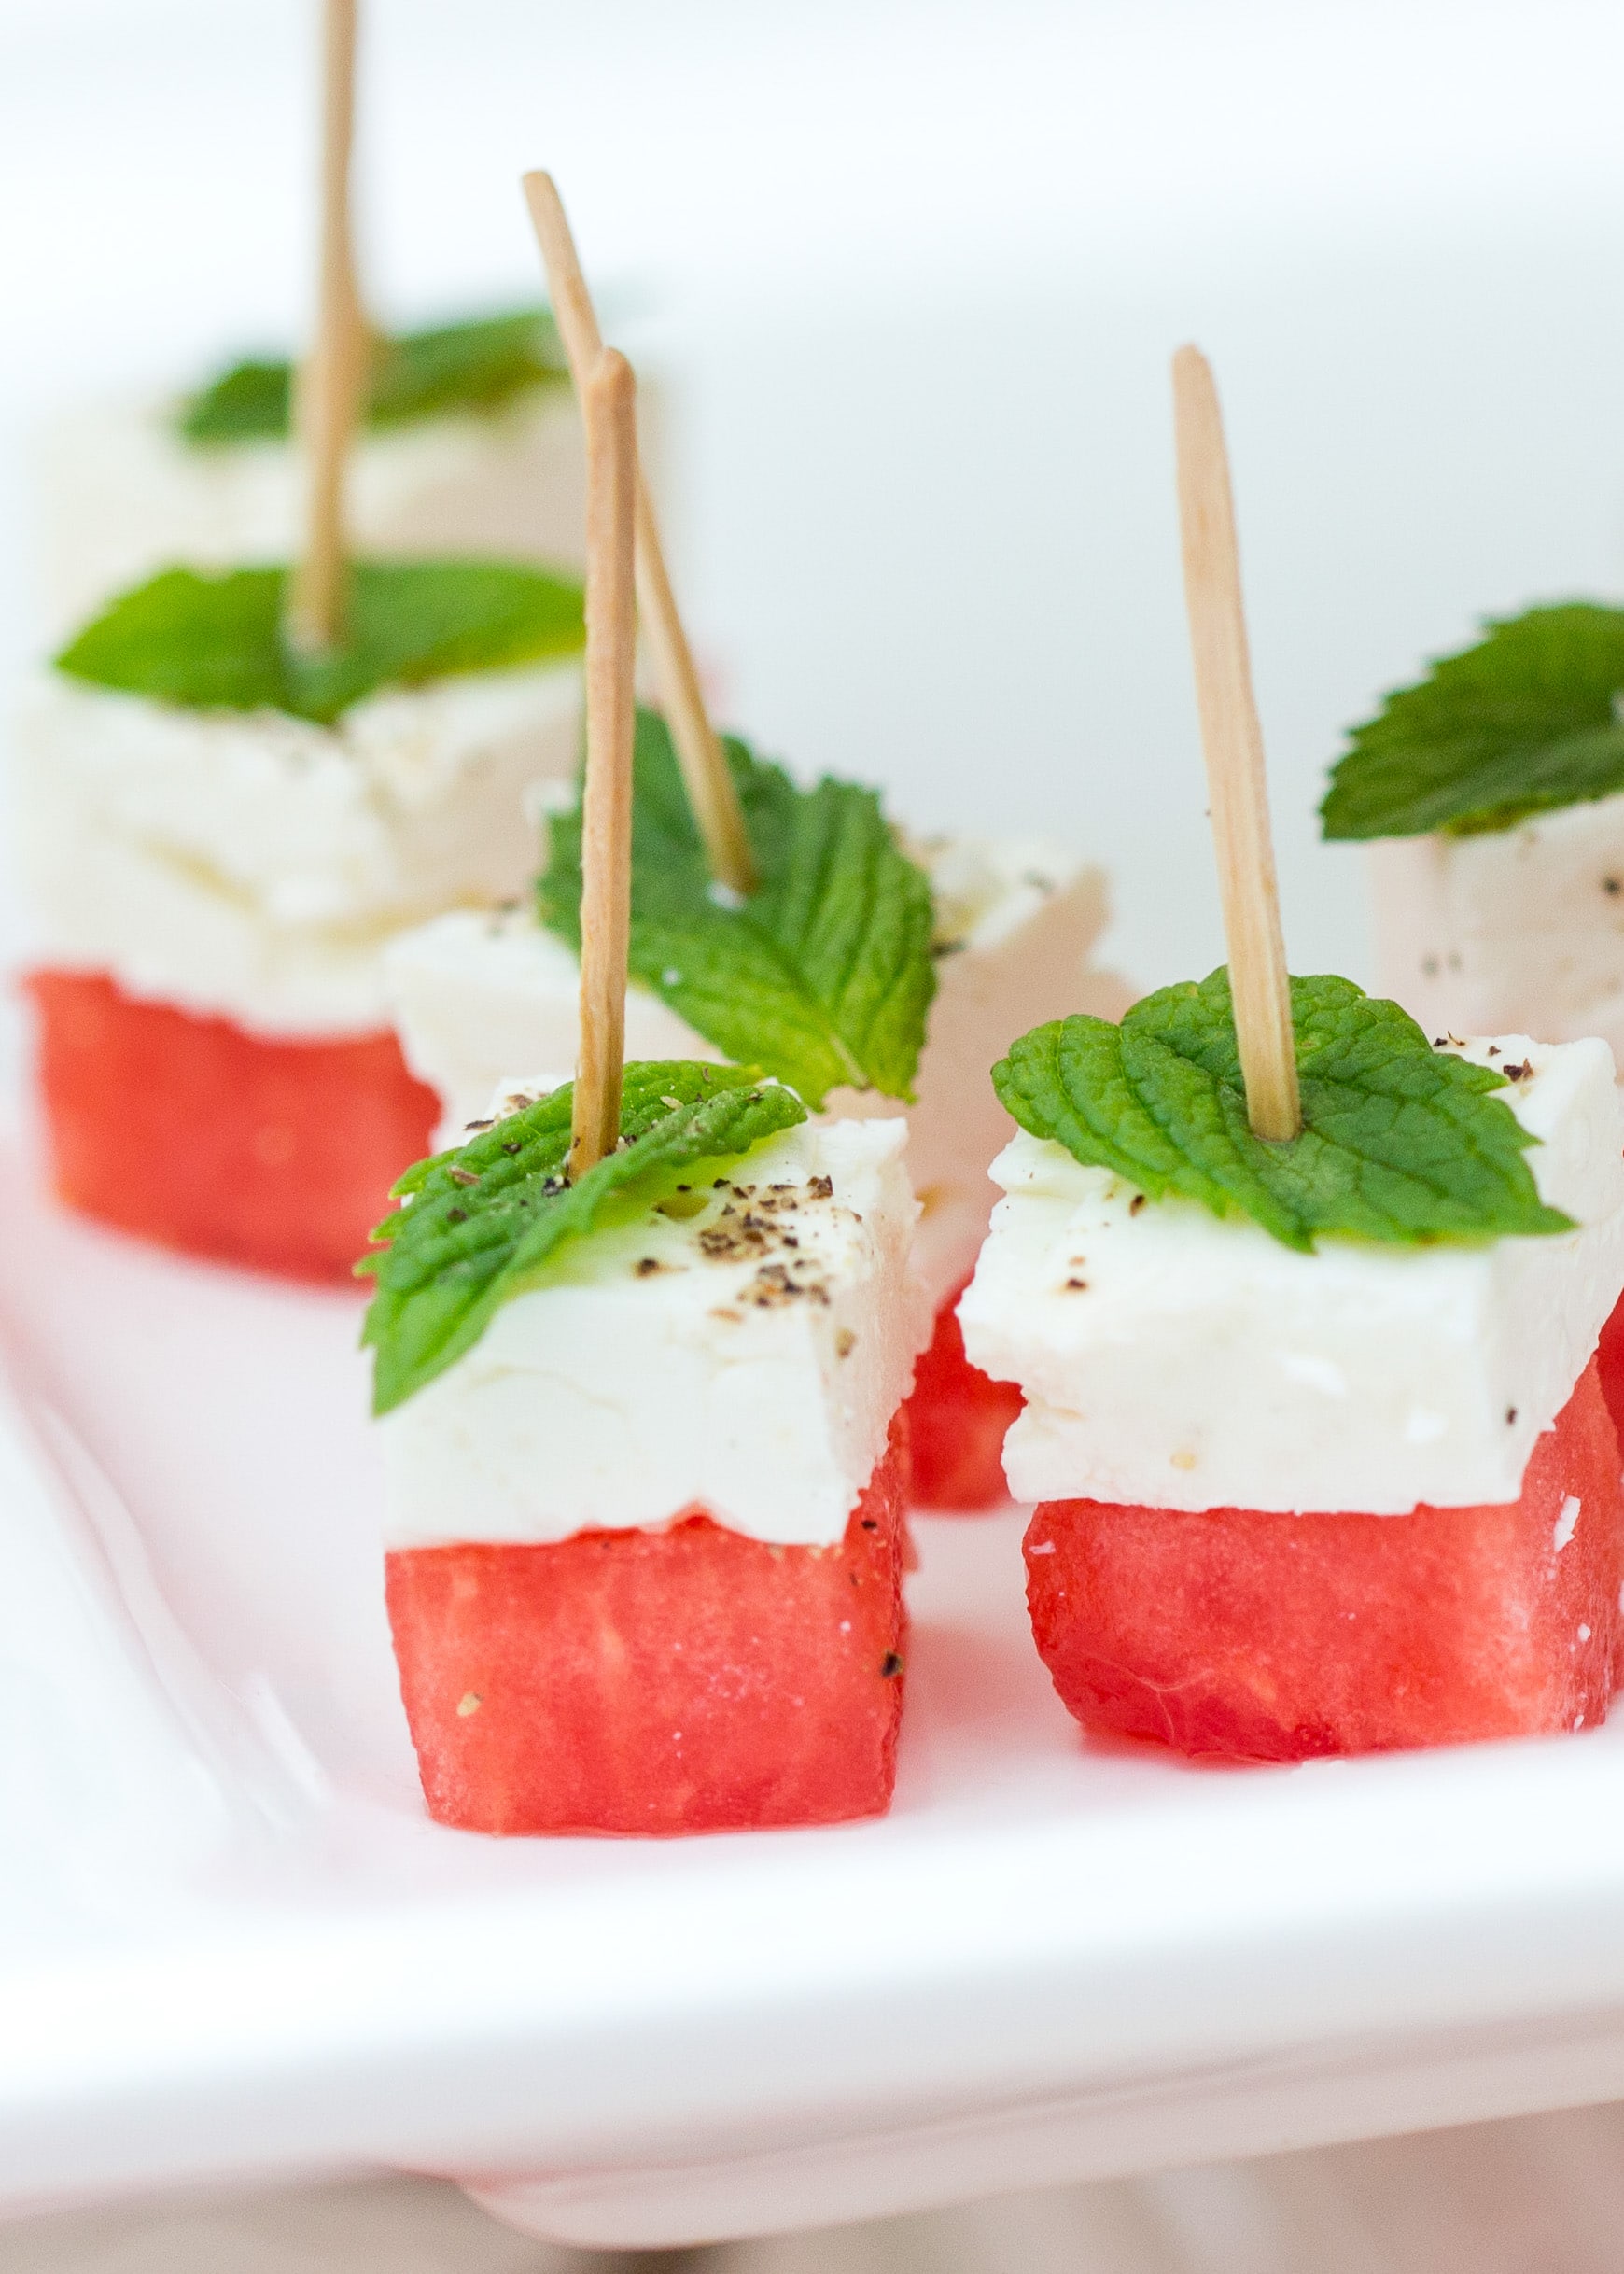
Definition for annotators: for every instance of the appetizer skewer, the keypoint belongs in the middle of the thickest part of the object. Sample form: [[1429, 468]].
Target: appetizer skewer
[[1304, 1311], [985, 939], [1011, 930], [640, 1347], [232, 790]]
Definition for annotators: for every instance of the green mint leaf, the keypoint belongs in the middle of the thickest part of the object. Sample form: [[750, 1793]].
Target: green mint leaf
[[824, 975], [252, 402], [215, 642], [1399, 1141], [486, 1220], [476, 366], [1524, 721]]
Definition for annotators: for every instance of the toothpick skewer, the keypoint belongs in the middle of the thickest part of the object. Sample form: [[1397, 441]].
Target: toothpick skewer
[[1233, 740], [711, 792], [331, 383], [609, 405]]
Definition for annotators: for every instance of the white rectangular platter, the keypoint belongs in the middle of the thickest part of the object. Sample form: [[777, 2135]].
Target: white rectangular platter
[[232, 1944]]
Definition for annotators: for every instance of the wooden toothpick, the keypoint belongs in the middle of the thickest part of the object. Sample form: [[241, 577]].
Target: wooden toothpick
[[711, 791], [331, 381], [1233, 741], [609, 406]]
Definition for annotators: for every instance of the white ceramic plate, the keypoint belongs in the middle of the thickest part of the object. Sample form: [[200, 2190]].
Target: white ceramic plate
[[230, 1943]]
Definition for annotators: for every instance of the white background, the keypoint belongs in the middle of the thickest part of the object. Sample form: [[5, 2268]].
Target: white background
[[914, 269]]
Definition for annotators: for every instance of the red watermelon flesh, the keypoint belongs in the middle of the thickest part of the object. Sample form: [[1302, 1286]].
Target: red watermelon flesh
[[958, 1418], [188, 1130], [1278, 1638], [689, 1679]]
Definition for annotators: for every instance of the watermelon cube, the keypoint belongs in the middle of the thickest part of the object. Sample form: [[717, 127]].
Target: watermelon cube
[[193, 1133], [656, 1682], [957, 1417], [1269, 1636]]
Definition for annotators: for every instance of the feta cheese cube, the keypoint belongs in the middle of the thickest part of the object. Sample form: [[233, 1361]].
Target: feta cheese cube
[[1518, 928], [253, 865], [1174, 1359], [471, 993], [747, 1360]]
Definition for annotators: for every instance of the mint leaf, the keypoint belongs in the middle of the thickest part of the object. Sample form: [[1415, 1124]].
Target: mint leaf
[[251, 402], [215, 642], [475, 366], [1524, 721], [1399, 1141], [488, 1219], [824, 977]]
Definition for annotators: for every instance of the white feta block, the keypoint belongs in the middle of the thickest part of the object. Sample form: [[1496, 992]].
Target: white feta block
[[474, 993], [254, 866], [1175, 1359], [671, 1365], [1520, 929], [119, 494]]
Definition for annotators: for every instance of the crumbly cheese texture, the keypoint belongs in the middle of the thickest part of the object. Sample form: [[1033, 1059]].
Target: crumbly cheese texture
[[1519, 928], [254, 866], [746, 1361], [1016, 921], [1171, 1358], [119, 494]]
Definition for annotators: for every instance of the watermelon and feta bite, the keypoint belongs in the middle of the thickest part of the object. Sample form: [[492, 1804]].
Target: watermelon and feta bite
[[214, 858], [1491, 796], [1322, 1462], [1013, 926], [645, 1527], [470, 444]]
